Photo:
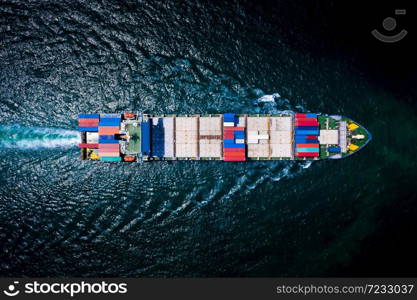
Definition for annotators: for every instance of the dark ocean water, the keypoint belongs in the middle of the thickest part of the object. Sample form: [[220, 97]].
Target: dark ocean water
[[60, 216]]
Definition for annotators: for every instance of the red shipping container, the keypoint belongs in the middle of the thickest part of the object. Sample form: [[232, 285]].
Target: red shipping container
[[228, 135], [92, 146], [87, 122], [239, 128], [307, 154], [234, 159], [307, 124], [311, 137], [300, 115], [234, 154], [307, 146], [234, 149], [306, 120]]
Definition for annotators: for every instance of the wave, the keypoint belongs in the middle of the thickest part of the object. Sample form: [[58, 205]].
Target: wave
[[28, 137]]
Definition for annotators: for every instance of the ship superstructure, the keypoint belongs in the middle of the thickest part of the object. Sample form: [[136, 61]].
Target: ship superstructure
[[136, 137]]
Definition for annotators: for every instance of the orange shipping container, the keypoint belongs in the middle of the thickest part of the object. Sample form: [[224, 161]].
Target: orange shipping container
[[108, 130], [307, 145]]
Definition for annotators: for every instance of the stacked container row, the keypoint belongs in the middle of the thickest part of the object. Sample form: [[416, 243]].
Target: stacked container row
[[108, 146], [234, 148], [88, 122], [146, 137], [157, 142], [307, 130]]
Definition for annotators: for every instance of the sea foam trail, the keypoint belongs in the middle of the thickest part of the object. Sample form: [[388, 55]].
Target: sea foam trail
[[27, 137]]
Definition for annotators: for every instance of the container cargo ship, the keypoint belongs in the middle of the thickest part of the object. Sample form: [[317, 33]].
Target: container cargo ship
[[137, 137]]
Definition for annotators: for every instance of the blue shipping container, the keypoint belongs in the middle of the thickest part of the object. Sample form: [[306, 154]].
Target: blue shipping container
[[334, 149], [306, 132], [228, 141], [146, 138], [306, 127], [311, 115], [93, 129], [111, 116], [231, 146], [229, 117], [106, 137], [88, 116], [239, 134], [104, 141], [307, 141], [109, 122]]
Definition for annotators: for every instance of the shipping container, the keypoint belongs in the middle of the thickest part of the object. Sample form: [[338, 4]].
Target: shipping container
[[91, 146], [234, 150], [87, 122], [300, 115], [307, 145], [88, 116], [239, 134], [92, 129], [305, 127], [234, 145], [106, 137], [307, 154], [228, 135], [234, 159], [334, 149], [109, 122], [228, 130], [110, 158], [229, 141], [316, 124], [311, 115], [306, 120], [234, 154], [110, 116], [307, 132], [229, 117], [100, 141], [305, 141], [146, 138], [111, 147], [105, 153], [240, 150], [110, 130], [307, 149]]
